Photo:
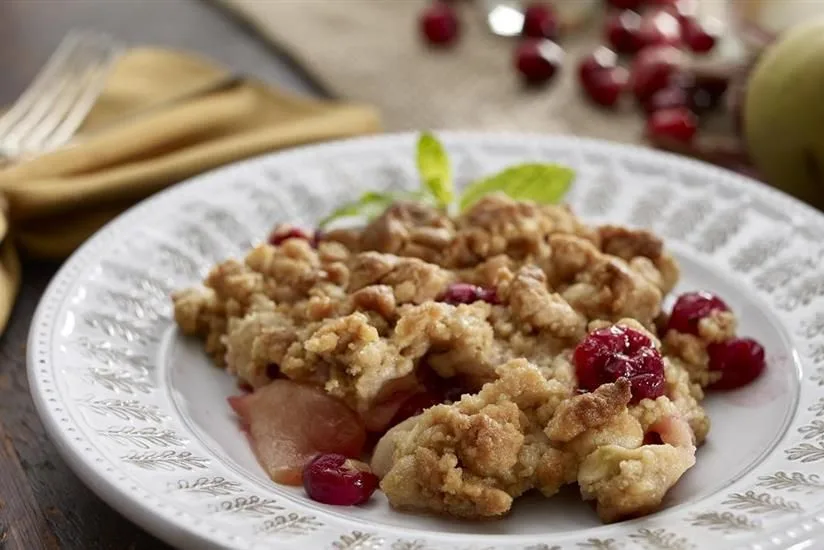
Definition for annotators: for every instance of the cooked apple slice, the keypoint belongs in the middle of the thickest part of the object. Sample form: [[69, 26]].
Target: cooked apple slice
[[289, 423]]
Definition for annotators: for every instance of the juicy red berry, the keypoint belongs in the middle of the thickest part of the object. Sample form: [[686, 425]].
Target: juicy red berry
[[740, 361], [284, 232], [608, 354], [678, 124], [335, 479], [626, 4], [465, 293], [660, 28], [668, 98], [601, 77], [538, 60], [652, 69], [690, 308], [439, 24], [540, 21], [653, 438], [623, 31], [701, 37]]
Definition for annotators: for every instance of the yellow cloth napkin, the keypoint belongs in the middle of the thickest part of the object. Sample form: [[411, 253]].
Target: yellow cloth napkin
[[155, 124]]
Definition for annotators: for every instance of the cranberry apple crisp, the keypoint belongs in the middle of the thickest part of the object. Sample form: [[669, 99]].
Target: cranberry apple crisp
[[469, 357]]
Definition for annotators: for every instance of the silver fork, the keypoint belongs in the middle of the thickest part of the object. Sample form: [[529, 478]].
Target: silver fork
[[51, 109]]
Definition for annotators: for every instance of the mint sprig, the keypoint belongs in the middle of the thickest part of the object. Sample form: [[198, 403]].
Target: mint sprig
[[543, 183]]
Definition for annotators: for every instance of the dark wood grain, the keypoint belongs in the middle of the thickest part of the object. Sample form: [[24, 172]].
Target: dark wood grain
[[42, 503]]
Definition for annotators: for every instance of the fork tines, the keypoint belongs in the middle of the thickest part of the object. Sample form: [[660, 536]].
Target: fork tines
[[51, 109]]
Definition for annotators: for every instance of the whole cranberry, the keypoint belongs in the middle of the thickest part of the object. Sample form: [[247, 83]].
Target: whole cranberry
[[439, 24], [660, 28], [623, 31], [652, 69], [690, 308], [540, 21], [335, 479], [676, 124], [601, 77], [668, 98], [465, 293], [608, 354], [740, 361], [538, 60], [284, 232], [701, 36], [626, 4]]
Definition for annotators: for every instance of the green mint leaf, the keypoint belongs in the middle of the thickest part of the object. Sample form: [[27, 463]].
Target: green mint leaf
[[537, 182], [434, 169], [369, 205]]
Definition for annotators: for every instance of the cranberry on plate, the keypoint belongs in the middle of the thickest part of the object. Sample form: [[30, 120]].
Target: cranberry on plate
[[284, 232], [608, 354], [740, 361], [652, 70], [335, 479], [675, 124], [465, 293], [691, 307]]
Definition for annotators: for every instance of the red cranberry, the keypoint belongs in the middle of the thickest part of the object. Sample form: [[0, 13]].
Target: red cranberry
[[284, 232], [660, 28], [701, 37], [335, 479], [653, 438], [619, 352], [540, 21], [626, 4], [740, 361], [465, 293], [272, 371], [652, 69], [538, 60], [623, 31], [690, 308], [678, 124], [439, 23], [601, 77]]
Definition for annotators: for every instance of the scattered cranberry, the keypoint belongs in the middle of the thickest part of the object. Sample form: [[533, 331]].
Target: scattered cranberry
[[335, 479], [272, 371], [701, 37], [668, 98], [540, 21], [619, 352], [653, 438], [284, 232], [690, 308], [439, 23], [678, 124], [659, 28], [740, 361], [652, 69], [626, 4], [601, 77], [623, 31], [465, 293], [538, 60]]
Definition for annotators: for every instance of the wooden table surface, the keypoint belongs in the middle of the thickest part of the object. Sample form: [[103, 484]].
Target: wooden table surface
[[42, 503]]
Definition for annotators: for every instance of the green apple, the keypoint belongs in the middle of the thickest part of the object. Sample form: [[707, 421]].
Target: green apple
[[784, 113]]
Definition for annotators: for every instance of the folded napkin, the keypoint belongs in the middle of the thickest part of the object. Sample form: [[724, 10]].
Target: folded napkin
[[164, 116]]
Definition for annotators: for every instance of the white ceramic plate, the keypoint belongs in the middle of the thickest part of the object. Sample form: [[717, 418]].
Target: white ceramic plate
[[141, 415]]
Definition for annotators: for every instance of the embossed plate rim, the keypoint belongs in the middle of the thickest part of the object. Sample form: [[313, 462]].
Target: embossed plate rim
[[183, 528]]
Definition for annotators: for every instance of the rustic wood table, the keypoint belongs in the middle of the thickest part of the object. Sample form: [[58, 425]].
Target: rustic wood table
[[42, 503]]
